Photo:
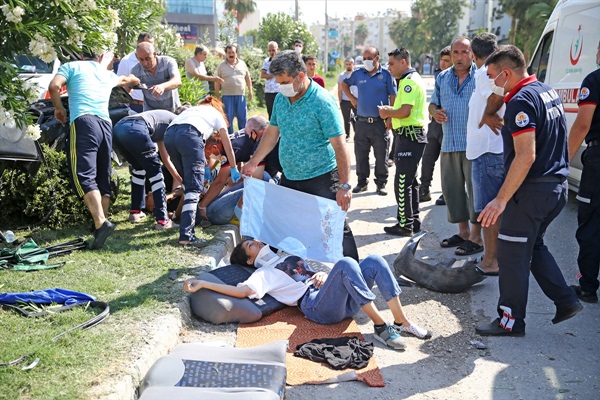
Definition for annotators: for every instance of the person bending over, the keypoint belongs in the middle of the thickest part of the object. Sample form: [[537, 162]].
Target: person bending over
[[323, 299]]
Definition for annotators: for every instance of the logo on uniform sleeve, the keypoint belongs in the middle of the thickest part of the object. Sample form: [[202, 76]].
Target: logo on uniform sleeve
[[407, 89], [521, 119], [584, 93]]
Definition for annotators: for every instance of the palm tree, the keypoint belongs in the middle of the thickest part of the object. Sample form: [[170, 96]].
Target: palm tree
[[361, 33], [243, 8]]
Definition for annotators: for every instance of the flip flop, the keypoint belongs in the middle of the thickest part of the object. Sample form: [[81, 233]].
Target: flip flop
[[467, 248], [482, 272], [452, 241]]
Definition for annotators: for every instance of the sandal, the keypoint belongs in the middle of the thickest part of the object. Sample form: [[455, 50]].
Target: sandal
[[467, 248], [452, 241]]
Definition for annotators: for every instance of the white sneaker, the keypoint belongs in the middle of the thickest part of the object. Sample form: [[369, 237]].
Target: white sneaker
[[390, 337], [134, 218], [167, 225], [413, 330]]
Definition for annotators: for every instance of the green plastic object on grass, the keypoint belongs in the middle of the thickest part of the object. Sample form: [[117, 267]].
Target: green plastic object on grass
[[26, 257]]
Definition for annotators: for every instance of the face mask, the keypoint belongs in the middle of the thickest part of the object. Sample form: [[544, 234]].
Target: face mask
[[287, 89], [298, 49], [499, 90], [265, 257], [368, 65]]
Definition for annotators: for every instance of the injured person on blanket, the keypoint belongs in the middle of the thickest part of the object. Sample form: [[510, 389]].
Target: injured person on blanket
[[323, 298]]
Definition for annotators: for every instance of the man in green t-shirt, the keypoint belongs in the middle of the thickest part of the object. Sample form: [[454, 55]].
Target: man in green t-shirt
[[409, 119]]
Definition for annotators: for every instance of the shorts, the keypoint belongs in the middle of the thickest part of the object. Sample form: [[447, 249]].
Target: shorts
[[488, 177]]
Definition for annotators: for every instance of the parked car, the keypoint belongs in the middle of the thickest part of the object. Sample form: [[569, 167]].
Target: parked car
[[36, 70]]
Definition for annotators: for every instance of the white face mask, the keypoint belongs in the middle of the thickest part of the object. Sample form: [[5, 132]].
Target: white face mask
[[368, 65], [287, 89], [499, 90], [265, 257], [298, 49]]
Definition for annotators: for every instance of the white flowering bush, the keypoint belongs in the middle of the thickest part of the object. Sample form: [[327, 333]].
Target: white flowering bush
[[47, 29]]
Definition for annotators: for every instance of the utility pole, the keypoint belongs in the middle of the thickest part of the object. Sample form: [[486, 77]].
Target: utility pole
[[296, 15], [326, 40]]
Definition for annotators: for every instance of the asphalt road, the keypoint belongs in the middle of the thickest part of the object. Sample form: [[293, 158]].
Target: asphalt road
[[550, 362]]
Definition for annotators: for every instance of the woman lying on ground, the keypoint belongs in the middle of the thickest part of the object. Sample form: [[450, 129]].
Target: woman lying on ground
[[323, 299]]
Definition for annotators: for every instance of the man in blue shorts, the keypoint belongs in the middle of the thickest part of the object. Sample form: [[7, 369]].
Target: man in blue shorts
[[90, 142], [484, 147], [312, 150], [532, 195]]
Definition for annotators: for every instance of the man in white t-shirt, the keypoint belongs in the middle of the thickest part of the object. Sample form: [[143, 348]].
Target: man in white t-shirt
[[271, 85], [195, 68], [348, 110], [125, 66], [485, 147]]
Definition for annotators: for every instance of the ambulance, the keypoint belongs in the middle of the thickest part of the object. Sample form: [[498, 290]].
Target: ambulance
[[565, 55]]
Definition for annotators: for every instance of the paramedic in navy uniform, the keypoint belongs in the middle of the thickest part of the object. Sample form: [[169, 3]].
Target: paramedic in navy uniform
[[533, 194], [587, 126]]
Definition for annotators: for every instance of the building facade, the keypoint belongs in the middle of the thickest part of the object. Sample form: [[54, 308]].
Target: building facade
[[484, 15], [194, 20]]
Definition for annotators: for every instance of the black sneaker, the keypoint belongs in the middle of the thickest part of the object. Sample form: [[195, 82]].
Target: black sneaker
[[424, 194], [382, 191], [398, 230], [361, 187], [102, 233], [440, 201], [588, 297]]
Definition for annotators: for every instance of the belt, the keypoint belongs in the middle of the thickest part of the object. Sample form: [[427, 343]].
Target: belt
[[138, 102], [370, 120], [593, 143], [547, 179], [411, 129]]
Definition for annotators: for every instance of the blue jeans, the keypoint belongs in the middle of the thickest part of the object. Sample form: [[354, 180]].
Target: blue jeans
[[133, 140], [185, 146], [235, 106], [348, 288], [488, 177]]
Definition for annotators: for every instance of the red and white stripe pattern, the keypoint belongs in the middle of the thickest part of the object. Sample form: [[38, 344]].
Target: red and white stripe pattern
[[508, 321]]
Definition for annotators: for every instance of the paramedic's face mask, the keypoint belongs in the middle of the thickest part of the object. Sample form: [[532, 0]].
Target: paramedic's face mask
[[499, 90], [264, 257]]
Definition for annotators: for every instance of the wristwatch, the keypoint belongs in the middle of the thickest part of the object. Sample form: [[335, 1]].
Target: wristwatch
[[344, 186]]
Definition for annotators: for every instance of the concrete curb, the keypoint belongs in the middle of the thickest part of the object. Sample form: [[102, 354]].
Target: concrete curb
[[163, 332]]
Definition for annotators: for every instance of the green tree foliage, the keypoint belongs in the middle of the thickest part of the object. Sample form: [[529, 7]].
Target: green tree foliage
[[361, 32], [433, 26], [528, 18], [136, 17], [242, 8], [282, 29]]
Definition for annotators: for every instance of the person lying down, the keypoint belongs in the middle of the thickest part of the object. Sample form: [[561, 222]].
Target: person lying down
[[324, 299]]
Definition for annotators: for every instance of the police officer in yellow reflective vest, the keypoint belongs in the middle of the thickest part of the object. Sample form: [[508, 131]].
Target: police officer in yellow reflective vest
[[409, 119]]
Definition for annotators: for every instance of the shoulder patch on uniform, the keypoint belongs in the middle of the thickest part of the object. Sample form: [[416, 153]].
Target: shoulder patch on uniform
[[521, 119], [584, 93], [407, 88]]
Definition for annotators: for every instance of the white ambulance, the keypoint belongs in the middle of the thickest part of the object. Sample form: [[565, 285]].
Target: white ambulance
[[565, 55]]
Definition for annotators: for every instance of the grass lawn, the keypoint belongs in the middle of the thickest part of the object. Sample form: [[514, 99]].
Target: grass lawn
[[130, 272]]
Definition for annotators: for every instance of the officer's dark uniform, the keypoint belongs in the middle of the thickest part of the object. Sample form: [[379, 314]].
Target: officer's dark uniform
[[532, 106], [588, 216], [409, 143]]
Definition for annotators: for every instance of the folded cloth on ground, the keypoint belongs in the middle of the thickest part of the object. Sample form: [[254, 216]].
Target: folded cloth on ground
[[46, 296], [340, 353]]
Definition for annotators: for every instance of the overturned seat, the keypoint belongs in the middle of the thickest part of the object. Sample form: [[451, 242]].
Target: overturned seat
[[198, 371]]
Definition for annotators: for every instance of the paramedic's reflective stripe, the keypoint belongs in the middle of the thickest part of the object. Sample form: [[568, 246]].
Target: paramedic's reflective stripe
[[137, 181], [516, 239], [73, 148], [583, 199], [188, 207]]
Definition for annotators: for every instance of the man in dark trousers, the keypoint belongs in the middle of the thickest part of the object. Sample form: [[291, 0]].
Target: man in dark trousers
[[409, 116], [375, 87], [533, 194], [587, 125], [434, 142]]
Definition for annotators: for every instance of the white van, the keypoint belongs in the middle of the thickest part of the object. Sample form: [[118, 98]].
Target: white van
[[35, 70], [565, 55]]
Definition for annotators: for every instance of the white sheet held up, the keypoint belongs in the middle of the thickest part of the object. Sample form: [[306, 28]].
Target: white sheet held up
[[298, 223]]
